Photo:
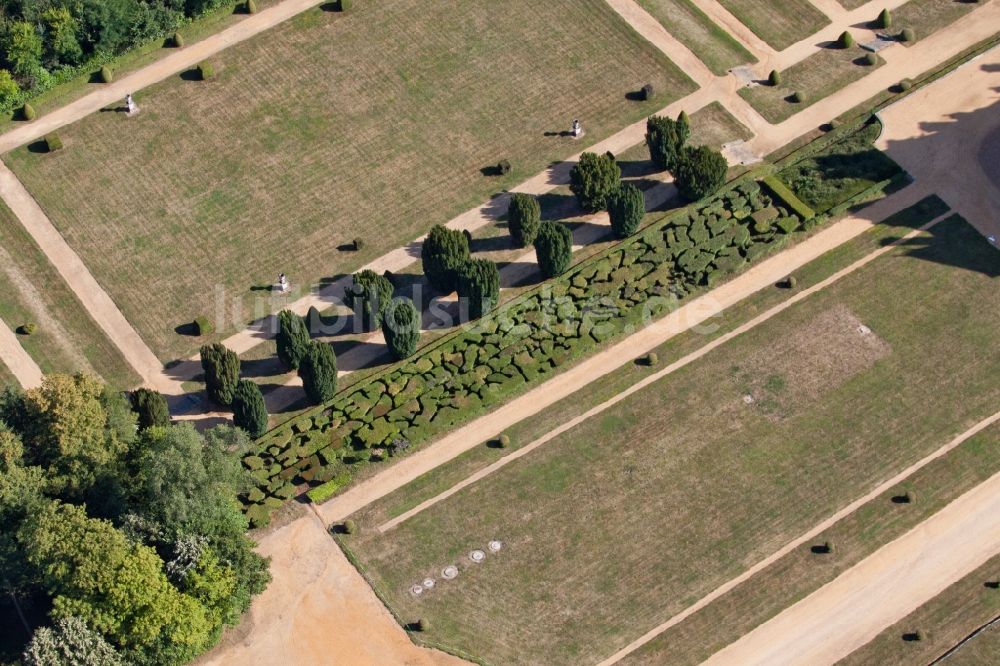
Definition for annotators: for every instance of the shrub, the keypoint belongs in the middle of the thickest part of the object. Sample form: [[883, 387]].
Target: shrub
[[177, 40], [523, 218], [444, 251], [106, 75], [401, 327], [222, 372], [553, 248], [151, 408], [700, 172], [357, 244], [249, 411], [350, 527], [318, 371], [344, 5], [774, 78], [846, 40], [29, 329], [905, 85], [920, 635], [652, 358], [370, 294], [206, 71], [907, 35], [665, 139], [646, 92], [28, 112], [798, 97], [479, 286], [9, 89], [828, 547], [203, 326], [53, 143], [422, 625], [871, 59], [251, 7], [592, 179], [503, 441], [626, 205], [503, 167], [292, 339], [884, 20], [782, 191], [910, 496], [790, 282]]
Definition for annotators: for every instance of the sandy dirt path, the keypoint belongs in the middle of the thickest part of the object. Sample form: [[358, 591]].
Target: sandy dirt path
[[21, 365], [655, 377], [82, 282], [962, 109], [880, 590], [317, 610], [697, 311], [747, 38]]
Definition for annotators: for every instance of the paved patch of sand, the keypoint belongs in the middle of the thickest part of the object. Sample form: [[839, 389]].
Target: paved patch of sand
[[317, 610]]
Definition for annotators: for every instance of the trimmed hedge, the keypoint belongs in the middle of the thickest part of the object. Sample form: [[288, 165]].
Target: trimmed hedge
[[325, 491], [53, 143], [782, 191], [106, 75], [203, 326], [28, 112]]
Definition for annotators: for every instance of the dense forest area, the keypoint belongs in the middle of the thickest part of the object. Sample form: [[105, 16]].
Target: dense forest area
[[45, 42], [122, 539]]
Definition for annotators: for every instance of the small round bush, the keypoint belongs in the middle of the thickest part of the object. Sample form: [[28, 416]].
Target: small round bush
[[905, 85], [251, 7], [178, 40], [798, 97], [774, 78], [910, 496], [28, 112], [29, 329], [646, 92], [920, 635], [421, 625], [908, 35], [828, 547], [652, 358], [846, 40], [344, 5], [791, 282], [206, 71], [106, 75], [503, 167], [834, 124], [53, 143], [503, 441], [350, 527], [871, 60]]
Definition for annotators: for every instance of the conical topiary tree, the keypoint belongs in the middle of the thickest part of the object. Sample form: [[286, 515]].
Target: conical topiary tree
[[523, 218], [479, 286], [292, 338], [443, 252], [884, 20], [401, 327], [222, 372], [151, 408], [846, 40], [370, 294], [774, 78], [249, 411], [318, 370], [592, 178], [553, 248], [626, 206]]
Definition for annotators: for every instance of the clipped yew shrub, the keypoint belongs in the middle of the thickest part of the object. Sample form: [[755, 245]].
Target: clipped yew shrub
[[251, 7], [503, 441], [203, 326], [53, 143], [503, 167], [846, 40], [106, 74], [350, 527], [28, 329], [523, 217], [870, 59], [249, 411], [774, 78], [370, 294], [344, 5], [177, 40], [798, 97], [626, 207], [700, 172], [907, 35], [318, 371], [646, 92], [28, 112], [292, 339], [150, 407], [884, 20], [443, 253], [665, 138], [479, 286], [553, 248], [222, 372], [206, 71], [592, 179], [401, 327]]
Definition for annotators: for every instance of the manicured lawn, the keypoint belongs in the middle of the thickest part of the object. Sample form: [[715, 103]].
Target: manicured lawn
[[927, 16], [625, 520], [67, 339], [713, 45], [945, 620], [821, 74], [406, 102], [7, 378], [780, 23]]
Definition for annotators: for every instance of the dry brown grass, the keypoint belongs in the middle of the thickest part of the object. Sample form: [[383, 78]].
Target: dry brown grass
[[372, 124], [780, 23]]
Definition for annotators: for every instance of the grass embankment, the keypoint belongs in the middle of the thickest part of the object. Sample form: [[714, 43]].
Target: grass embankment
[[631, 516], [407, 103]]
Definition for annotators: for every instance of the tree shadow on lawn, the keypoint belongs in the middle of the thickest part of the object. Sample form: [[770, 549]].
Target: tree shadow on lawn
[[953, 242], [558, 206]]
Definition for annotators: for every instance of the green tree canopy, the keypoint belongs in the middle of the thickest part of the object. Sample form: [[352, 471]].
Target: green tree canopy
[[222, 371], [292, 338], [479, 286], [553, 248], [318, 371], [443, 253], [626, 207], [249, 411], [370, 294], [523, 217], [701, 172], [592, 179], [401, 328], [70, 642], [665, 139], [150, 408]]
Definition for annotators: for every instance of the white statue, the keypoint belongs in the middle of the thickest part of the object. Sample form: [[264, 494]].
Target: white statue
[[577, 129], [130, 105], [282, 283]]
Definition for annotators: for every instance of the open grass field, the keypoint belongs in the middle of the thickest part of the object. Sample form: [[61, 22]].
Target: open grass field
[[945, 620], [780, 23], [821, 74], [628, 518], [713, 45], [927, 16], [409, 101], [67, 339]]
